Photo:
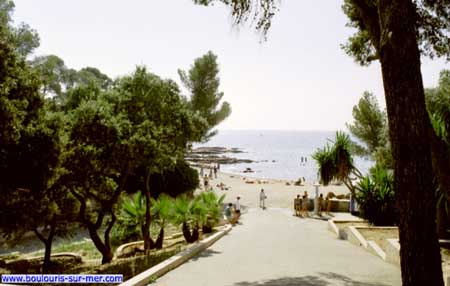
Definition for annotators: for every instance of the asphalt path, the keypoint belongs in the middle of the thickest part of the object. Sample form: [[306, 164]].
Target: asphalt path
[[272, 247]]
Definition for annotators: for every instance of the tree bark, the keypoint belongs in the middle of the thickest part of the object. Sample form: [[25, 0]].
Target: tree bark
[[409, 126], [160, 239], [48, 245], [441, 167], [186, 233], [146, 233], [104, 250]]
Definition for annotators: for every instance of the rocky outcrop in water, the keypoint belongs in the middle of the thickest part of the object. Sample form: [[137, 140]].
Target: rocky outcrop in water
[[213, 155]]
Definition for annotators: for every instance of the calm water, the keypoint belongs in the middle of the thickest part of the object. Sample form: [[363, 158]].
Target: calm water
[[285, 148]]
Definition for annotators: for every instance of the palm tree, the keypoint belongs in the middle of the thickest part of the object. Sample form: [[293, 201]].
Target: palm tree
[[190, 214], [336, 162], [162, 212], [213, 205], [132, 214]]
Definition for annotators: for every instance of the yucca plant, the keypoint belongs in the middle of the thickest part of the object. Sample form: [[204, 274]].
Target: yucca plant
[[336, 162], [162, 213]]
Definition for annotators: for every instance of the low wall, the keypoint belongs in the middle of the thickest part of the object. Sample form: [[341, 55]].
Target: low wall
[[174, 261], [337, 205]]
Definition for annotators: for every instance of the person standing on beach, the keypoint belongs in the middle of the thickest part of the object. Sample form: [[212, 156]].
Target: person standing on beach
[[210, 173], [262, 199], [320, 204], [297, 205], [215, 171], [228, 213], [305, 204], [328, 205], [202, 172], [206, 182], [237, 209]]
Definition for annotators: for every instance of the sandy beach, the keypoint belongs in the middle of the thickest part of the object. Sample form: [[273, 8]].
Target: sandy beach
[[279, 194]]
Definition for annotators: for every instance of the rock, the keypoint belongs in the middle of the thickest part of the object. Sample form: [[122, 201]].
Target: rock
[[288, 184], [248, 170], [330, 195]]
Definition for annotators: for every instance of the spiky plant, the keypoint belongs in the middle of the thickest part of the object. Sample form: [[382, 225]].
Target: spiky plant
[[376, 197], [190, 214], [213, 205], [336, 162], [162, 213]]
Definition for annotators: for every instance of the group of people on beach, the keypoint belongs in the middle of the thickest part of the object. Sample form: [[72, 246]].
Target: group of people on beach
[[301, 205], [212, 174], [233, 213]]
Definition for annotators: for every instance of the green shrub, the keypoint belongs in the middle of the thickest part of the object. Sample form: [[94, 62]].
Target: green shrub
[[376, 197]]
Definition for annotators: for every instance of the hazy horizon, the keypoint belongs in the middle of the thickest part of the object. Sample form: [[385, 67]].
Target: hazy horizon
[[300, 79]]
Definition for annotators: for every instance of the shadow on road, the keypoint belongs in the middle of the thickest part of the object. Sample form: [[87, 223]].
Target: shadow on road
[[322, 279], [206, 253]]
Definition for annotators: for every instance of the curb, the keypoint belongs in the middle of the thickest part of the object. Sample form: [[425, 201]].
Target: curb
[[162, 268], [355, 237], [374, 248], [333, 228]]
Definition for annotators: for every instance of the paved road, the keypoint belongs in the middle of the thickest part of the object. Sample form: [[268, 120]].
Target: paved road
[[273, 247]]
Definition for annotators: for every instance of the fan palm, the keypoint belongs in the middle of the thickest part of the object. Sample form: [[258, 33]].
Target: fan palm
[[190, 214], [213, 205], [132, 214], [162, 212]]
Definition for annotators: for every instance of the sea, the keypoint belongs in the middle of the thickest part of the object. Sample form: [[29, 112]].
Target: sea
[[277, 154]]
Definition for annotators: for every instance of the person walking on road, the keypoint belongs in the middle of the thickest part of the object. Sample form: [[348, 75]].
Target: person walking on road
[[262, 199]]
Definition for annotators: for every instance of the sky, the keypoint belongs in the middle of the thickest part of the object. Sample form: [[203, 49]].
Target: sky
[[299, 79]]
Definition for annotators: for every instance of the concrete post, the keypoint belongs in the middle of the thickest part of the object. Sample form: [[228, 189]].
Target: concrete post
[[316, 199]]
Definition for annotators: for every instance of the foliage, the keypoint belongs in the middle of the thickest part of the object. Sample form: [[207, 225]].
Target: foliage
[[376, 197], [30, 147], [213, 205], [336, 162], [190, 214], [23, 37], [438, 104], [433, 21], [369, 124], [130, 220], [203, 82]]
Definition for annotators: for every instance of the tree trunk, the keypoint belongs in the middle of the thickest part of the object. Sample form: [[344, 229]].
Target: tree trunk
[[441, 167], [409, 126], [195, 233], [160, 239], [104, 250], [186, 233], [48, 245], [146, 234]]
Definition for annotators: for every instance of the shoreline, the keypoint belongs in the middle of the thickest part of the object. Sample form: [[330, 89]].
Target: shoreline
[[279, 194]]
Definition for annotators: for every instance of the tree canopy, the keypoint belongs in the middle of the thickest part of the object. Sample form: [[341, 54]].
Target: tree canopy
[[202, 80], [368, 124]]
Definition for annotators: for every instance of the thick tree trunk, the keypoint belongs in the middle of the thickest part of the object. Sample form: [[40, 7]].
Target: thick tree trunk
[[186, 233], [104, 250], [441, 168], [409, 126], [195, 233], [48, 244]]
